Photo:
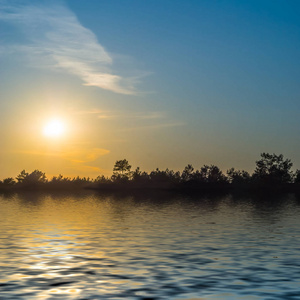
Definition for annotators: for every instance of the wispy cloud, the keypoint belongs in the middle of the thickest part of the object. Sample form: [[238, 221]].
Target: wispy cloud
[[79, 155], [84, 168], [103, 114], [56, 37], [142, 120], [87, 112], [80, 159]]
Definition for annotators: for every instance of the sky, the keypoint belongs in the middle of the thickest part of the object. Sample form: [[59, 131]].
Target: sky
[[160, 83]]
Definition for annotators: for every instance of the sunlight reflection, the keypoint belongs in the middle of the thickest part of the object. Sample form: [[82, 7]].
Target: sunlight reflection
[[51, 251], [74, 250]]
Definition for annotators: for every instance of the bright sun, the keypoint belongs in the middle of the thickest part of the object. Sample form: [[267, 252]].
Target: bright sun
[[54, 128]]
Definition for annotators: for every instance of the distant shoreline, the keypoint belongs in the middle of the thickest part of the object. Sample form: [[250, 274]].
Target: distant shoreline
[[180, 189], [272, 173]]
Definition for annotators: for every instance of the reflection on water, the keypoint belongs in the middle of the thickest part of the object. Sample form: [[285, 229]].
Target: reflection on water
[[152, 247]]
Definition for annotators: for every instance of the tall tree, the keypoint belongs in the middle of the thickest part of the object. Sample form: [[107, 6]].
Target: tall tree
[[187, 173], [121, 169], [272, 168], [21, 177], [34, 177]]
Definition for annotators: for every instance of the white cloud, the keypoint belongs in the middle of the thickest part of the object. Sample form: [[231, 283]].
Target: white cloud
[[56, 37]]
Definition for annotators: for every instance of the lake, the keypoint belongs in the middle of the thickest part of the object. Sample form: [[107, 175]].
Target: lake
[[158, 246]]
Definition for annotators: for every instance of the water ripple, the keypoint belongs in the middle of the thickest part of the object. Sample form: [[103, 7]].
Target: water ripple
[[105, 247]]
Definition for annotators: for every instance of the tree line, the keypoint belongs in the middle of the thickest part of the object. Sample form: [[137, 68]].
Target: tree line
[[272, 171]]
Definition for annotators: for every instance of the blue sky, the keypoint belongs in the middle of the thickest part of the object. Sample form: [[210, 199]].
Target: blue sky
[[162, 83]]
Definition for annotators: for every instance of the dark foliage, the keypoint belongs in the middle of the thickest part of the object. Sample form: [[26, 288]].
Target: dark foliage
[[273, 169], [272, 172]]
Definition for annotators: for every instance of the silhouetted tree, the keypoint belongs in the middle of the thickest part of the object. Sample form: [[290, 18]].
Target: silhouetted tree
[[31, 178], [136, 174], [163, 179], [81, 180], [140, 179], [21, 177], [211, 174], [272, 168], [297, 177], [187, 173], [56, 179], [8, 182], [101, 179], [237, 177], [36, 176], [121, 170], [60, 182]]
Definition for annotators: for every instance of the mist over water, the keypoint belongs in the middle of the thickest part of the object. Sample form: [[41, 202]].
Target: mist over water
[[92, 246]]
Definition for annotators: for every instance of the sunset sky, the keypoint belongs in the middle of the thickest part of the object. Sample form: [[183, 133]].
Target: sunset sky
[[160, 83]]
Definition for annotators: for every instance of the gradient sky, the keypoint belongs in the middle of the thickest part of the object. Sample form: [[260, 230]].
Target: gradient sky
[[161, 83]]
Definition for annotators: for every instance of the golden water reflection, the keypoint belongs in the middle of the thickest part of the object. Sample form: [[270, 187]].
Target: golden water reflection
[[107, 247]]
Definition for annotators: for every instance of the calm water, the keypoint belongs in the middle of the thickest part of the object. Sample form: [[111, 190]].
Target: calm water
[[160, 247]]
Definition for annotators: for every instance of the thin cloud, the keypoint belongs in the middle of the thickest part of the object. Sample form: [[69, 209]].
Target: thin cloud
[[79, 160], [87, 112], [144, 120], [81, 155], [132, 116], [84, 168], [56, 37], [102, 114]]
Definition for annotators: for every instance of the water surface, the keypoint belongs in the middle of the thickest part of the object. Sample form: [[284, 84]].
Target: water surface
[[93, 246]]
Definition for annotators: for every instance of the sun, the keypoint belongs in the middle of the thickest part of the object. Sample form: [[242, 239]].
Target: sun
[[54, 128]]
